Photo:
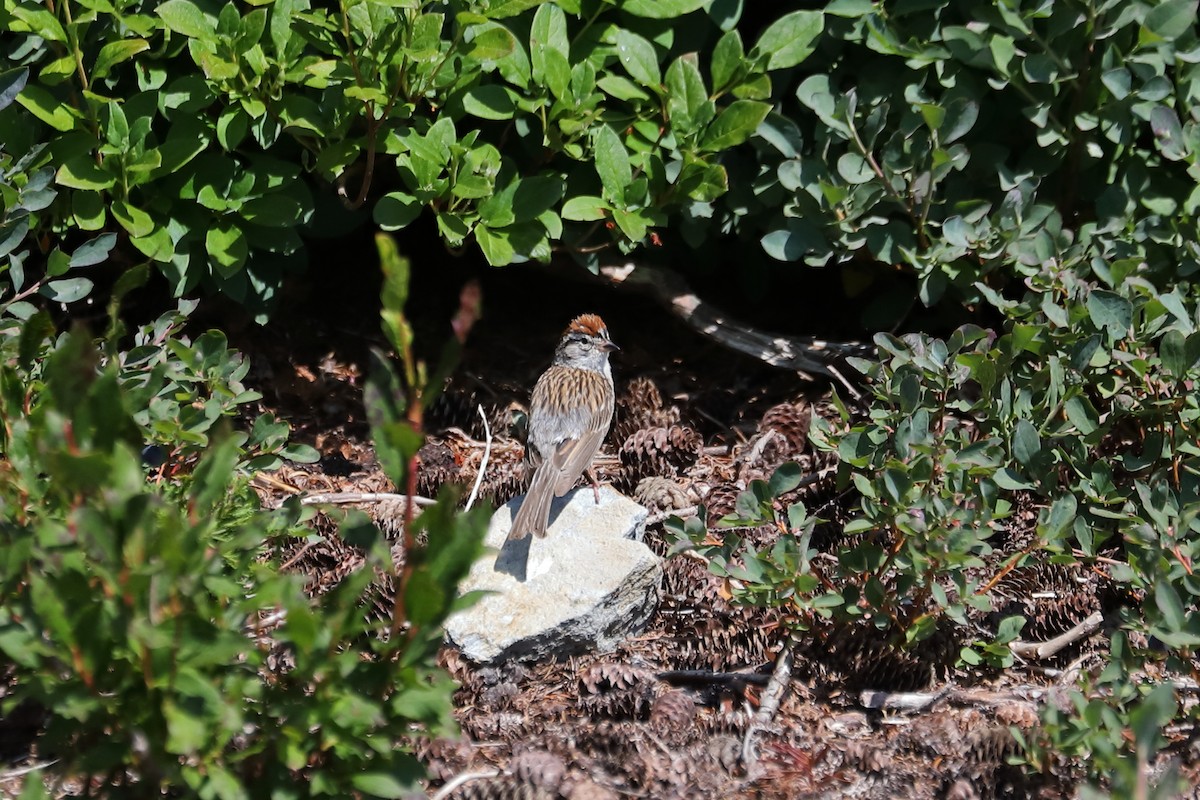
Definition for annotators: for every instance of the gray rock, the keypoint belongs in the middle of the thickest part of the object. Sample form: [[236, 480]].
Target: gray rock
[[585, 586]]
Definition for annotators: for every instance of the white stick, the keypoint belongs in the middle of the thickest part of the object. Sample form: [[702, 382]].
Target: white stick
[[487, 451]]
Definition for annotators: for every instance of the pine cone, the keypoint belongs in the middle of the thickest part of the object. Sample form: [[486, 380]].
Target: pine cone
[[539, 768], [608, 675], [506, 475], [641, 406], [660, 452], [721, 500], [672, 711], [660, 494], [791, 420], [436, 465]]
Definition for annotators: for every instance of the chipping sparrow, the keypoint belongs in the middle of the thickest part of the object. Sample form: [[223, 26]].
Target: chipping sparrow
[[569, 415]]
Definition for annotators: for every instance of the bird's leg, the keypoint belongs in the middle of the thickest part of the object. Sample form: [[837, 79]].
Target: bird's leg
[[591, 476]]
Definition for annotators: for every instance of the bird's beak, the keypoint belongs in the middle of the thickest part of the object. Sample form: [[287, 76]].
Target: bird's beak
[[608, 346]]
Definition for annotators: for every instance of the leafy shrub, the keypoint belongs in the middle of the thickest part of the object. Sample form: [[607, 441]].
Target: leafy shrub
[[1082, 407], [206, 135], [972, 144], [131, 608]]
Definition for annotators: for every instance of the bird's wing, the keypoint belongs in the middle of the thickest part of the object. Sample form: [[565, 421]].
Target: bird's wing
[[575, 455]]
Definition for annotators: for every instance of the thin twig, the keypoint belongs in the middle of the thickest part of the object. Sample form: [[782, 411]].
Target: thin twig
[[269, 621], [925, 701], [459, 780], [334, 498], [291, 562], [487, 451], [1040, 650], [803, 354], [902, 701], [16, 773], [772, 697]]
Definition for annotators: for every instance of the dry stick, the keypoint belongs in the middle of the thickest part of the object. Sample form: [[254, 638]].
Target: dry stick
[[487, 451], [291, 562], [1040, 650], [803, 354], [903, 701], [459, 780], [334, 498], [771, 698], [16, 773], [924, 701]]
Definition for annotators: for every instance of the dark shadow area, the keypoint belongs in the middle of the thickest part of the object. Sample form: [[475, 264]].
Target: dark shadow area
[[513, 558]]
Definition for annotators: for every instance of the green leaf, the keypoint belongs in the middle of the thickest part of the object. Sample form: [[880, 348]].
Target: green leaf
[[132, 219], [490, 42], [67, 291], [1155, 711], [639, 58], [511, 8], [82, 172], [1171, 19], [496, 247], [42, 105], [686, 95], [612, 163], [227, 247], [1082, 414], [784, 479], [728, 60], [397, 210], [34, 789], [11, 83], [661, 9], [632, 223], [490, 101], [1026, 442], [93, 251], [790, 39], [1169, 605], [1173, 352], [381, 784], [114, 53], [584, 208], [1110, 311], [734, 125], [798, 238], [282, 13], [1168, 133], [621, 88], [521, 201], [1060, 517], [157, 245], [550, 49], [185, 17], [396, 273]]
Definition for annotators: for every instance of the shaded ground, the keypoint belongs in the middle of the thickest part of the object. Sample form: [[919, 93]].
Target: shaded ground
[[667, 715]]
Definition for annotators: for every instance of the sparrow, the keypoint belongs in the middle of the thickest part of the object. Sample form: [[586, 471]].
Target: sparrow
[[569, 415]]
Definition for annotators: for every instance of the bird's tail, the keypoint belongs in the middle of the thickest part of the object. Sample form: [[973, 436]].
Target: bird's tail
[[534, 513]]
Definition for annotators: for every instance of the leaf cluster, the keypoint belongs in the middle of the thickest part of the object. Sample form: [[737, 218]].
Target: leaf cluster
[[133, 596]]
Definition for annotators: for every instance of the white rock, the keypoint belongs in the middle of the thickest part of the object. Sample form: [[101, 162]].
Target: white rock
[[585, 586]]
